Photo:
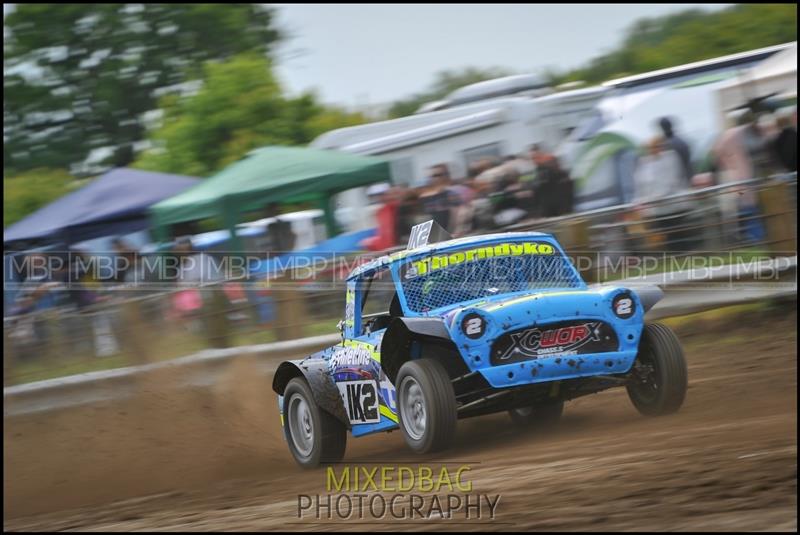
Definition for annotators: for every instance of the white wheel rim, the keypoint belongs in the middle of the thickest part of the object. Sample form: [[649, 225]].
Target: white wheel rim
[[301, 425], [413, 411]]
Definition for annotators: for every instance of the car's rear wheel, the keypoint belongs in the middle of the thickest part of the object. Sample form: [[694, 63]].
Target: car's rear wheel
[[427, 406], [659, 378], [314, 436], [546, 415]]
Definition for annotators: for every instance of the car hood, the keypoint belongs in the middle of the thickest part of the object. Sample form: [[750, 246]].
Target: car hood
[[522, 310]]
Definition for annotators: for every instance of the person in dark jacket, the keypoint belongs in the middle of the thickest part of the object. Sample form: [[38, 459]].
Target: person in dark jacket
[[439, 200], [676, 143], [553, 193], [785, 144]]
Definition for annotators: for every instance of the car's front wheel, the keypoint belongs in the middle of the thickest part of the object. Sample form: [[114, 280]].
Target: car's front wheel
[[314, 436], [427, 405], [659, 379]]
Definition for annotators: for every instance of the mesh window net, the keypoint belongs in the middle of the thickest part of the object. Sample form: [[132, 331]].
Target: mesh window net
[[449, 278]]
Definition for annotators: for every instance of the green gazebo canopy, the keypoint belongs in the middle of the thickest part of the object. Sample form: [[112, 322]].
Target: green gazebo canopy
[[271, 175]]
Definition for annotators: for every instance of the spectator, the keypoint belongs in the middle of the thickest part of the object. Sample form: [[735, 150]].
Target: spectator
[[660, 173], [37, 288], [279, 237], [408, 213], [464, 212], [80, 277], [732, 157], [522, 165], [510, 198], [676, 143], [125, 261], [187, 302], [439, 201], [733, 153], [757, 139], [552, 186], [386, 218], [784, 145], [491, 172]]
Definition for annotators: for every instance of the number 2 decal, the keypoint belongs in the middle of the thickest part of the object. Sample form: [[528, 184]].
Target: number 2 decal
[[623, 306], [474, 326]]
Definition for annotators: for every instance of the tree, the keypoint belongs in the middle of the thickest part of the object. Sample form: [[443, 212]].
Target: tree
[[80, 77], [29, 191], [444, 83], [331, 118], [691, 35], [239, 107]]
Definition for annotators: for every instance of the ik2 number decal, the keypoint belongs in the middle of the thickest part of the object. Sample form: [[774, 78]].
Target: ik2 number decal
[[360, 401]]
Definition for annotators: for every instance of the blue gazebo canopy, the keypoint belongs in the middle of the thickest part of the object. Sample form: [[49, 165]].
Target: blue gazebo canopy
[[113, 203]]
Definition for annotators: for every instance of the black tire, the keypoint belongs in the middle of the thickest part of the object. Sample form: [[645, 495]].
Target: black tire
[[538, 416], [438, 412], [328, 438], [659, 378]]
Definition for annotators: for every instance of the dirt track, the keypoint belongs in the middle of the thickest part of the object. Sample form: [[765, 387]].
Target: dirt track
[[215, 459]]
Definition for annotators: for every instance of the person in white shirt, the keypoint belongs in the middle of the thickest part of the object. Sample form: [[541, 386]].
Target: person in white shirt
[[659, 174]]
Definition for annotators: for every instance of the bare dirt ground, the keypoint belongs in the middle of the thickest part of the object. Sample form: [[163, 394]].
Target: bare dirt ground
[[215, 459]]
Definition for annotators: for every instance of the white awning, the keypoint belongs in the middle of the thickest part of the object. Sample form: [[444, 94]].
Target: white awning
[[775, 75]]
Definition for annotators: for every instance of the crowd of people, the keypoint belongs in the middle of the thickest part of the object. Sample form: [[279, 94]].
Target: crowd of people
[[495, 192], [758, 145], [499, 192]]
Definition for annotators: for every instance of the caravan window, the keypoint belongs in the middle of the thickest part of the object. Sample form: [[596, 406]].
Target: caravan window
[[491, 150], [402, 170]]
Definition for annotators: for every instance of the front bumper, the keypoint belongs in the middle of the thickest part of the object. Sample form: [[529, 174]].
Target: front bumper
[[552, 337]]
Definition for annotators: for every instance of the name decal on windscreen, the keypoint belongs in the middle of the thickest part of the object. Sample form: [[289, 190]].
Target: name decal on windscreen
[[430, 264]]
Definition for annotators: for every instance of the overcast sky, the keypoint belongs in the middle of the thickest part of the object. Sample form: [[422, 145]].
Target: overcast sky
[[363, 54], [359, 54]]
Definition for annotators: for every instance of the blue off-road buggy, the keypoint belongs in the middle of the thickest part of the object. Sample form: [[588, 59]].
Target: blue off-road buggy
[[469, 327]]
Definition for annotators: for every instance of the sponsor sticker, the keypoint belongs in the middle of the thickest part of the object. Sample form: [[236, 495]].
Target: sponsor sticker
[[564, 340]]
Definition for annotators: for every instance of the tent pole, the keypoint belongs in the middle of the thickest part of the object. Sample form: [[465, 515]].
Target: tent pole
[[330, 218], [230, 216], [160, 233]]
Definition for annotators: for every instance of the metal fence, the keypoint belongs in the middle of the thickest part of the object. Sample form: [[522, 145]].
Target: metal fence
[[756, 217], [130, 331], [742, 219]]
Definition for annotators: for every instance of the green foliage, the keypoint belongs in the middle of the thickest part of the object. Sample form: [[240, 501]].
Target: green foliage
[[331, 118], [649, 44], [692, 35], [444, 83], [239, 108], [29, 191], [80, 76]]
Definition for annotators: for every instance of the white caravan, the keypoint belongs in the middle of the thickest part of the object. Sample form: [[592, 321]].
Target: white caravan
[[490, 119]]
